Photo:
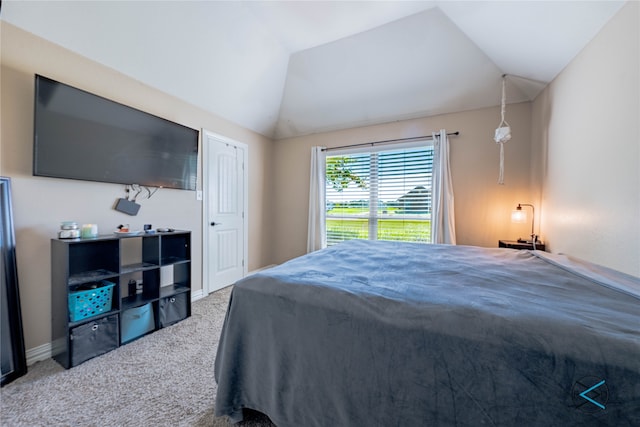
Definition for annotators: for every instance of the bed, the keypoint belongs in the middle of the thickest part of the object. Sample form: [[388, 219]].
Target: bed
[[375, 333]]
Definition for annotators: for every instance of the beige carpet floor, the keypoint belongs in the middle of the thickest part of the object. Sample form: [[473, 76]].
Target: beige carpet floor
[[163, 379]]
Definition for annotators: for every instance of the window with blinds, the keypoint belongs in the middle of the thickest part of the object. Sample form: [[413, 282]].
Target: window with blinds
[[381, 194]]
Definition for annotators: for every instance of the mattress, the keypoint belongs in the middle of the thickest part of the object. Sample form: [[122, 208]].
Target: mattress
[[375, 333]]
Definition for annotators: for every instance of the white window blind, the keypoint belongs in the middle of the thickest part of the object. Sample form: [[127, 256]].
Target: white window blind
[[380, 194]]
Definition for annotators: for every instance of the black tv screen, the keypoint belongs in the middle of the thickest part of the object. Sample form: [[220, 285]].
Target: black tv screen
[[79, 135]]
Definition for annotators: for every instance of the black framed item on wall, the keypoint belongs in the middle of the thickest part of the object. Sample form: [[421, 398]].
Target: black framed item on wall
[[12, 353]]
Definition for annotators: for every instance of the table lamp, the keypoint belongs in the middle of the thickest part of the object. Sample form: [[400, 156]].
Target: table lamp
[[519, 216]]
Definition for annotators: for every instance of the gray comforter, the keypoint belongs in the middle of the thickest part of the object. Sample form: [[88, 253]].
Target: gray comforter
[[399, 334]]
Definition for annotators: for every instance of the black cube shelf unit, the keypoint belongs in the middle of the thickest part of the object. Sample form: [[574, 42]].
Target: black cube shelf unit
[[150, 279]]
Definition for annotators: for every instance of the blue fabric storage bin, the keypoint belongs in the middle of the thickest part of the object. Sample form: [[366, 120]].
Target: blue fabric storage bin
[[136, 322]]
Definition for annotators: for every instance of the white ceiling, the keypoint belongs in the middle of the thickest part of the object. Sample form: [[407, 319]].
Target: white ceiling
[[286, 69]]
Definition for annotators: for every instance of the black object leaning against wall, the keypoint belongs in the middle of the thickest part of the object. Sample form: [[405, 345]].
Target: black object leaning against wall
[[14, 363]]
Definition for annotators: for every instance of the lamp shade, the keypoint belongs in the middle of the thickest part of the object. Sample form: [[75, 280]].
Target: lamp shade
[[518, 216]]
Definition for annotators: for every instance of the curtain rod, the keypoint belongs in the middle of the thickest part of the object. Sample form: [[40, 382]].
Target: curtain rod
[[388, 141]]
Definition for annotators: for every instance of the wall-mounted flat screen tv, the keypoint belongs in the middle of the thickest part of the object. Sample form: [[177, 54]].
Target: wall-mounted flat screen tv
[[78, 135]]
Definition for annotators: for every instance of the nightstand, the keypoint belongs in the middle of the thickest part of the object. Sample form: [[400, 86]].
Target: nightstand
[[514, 244]]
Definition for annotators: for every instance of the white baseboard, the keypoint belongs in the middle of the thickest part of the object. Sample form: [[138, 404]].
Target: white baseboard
[[196, 295], [39, 353]]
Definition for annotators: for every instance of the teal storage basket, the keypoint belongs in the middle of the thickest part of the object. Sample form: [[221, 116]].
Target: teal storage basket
[[90, 302]]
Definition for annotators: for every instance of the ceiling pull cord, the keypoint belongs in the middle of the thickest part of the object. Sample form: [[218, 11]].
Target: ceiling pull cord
[[503, 132]]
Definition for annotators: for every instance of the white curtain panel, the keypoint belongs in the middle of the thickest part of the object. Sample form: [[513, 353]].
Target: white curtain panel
[[443, 227], [316, 233]]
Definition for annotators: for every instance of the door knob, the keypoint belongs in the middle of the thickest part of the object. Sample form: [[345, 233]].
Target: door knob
[[213, 224]]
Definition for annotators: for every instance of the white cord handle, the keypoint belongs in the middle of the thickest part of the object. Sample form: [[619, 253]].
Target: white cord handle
[[503, 132], [504, 102]]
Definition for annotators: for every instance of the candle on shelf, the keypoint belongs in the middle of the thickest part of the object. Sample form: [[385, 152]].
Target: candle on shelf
[[89, 231]]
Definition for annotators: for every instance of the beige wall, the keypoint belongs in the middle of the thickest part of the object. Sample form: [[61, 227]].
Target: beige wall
[[586, 144], [483, 207], [40, 204]]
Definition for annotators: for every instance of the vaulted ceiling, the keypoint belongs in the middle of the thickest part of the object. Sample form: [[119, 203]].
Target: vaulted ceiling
[[285, 69]]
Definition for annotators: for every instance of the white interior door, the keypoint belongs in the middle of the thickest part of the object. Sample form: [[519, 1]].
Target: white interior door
[[225, 219]]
